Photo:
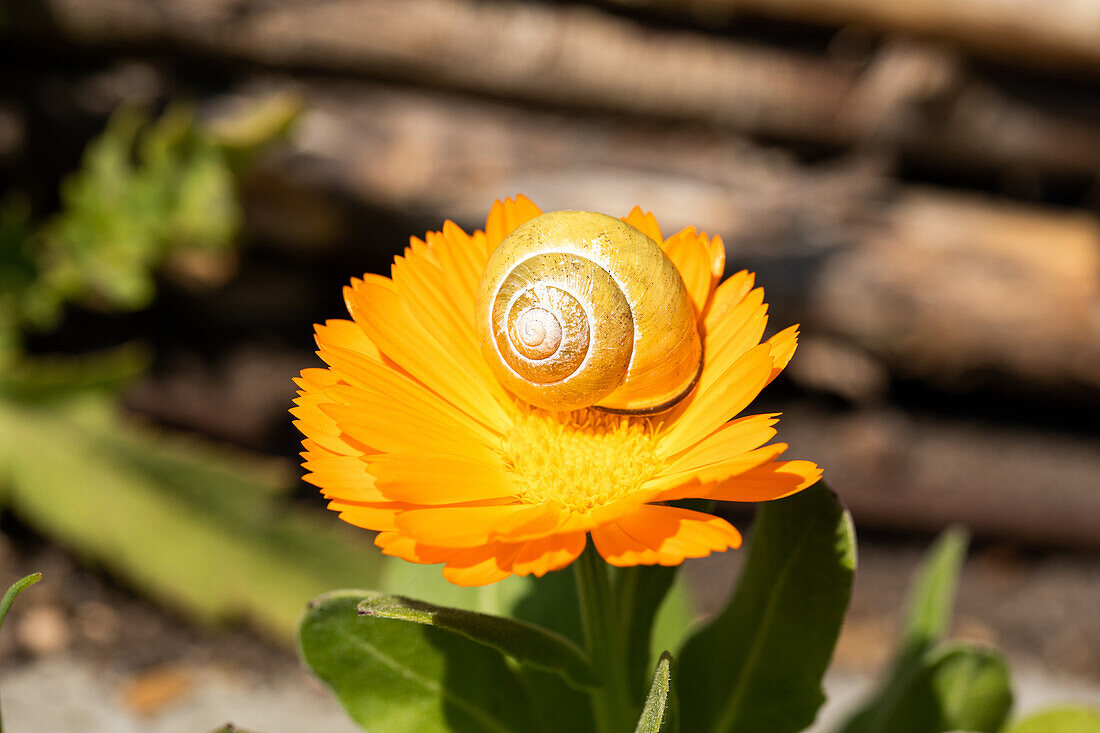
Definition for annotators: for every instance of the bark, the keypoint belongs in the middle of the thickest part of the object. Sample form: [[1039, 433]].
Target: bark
[[1050, 33], [914, 100]]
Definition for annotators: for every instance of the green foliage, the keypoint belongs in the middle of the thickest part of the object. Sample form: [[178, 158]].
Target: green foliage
[[971, 686], [932, 598], [400, 677], [9, 597], [932, 688], [44, 379], [675, 618], [639, 592], [189, 525], [951, 687], [16, 588], [550, 602], [146, 191], [197, 528], [525, 643], [758, 666], [659, 712], [1072, 719]]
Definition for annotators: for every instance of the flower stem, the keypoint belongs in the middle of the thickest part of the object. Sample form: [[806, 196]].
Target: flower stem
[[606, 644]]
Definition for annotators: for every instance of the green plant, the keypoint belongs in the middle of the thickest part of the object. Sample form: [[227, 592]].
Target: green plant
[[399, 665], [9, 597], [147, 191]]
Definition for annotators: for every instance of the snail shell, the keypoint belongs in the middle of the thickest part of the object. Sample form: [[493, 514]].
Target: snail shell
[[577, 309]]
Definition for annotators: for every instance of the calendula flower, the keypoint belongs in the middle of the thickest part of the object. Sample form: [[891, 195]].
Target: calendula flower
[[410, 433]]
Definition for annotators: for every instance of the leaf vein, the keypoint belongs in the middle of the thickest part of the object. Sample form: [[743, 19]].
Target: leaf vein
[[725, 721], [434, 687]]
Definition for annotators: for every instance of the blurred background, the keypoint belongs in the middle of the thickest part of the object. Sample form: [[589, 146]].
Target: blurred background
[[185, 186]]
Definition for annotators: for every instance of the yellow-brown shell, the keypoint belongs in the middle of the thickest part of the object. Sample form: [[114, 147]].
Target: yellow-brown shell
[[578, 309]]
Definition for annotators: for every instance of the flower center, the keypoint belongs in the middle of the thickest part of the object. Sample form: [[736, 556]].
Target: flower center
[[581, 460]]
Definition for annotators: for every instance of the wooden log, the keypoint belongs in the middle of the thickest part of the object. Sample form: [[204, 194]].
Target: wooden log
[[543, 53], [1046, 33], [441, 156], [951, 288], [579, 57], [914, 472], [938, 286]]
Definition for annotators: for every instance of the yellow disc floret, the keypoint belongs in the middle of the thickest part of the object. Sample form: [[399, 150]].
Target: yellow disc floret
[[580, 460]]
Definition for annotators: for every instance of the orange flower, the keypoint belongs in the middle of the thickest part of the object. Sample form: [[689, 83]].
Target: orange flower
[[409, 434]]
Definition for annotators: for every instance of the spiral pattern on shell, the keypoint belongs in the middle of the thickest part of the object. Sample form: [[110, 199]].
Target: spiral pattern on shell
[[577, 309]]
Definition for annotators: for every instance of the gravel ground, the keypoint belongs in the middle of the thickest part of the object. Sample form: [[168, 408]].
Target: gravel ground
[[71, 693]]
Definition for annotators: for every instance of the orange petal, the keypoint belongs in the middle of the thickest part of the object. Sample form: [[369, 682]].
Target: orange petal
[[783, 345], [396, 544], [620, 549], [708, 408], [342, 477], [717, 259], [505, 216], [379, 516], [731, 292], [691, 254], [695, 484], [463, 261], [426, 292], [730, 336], [664, 535], [541, 556], [436, 478], [346, 334], [537, 520], [772, 480], [644, 222], [732, 439], [481, 565], [376, 305], [455, 526], [373, 385], [395, 425], [312, 421]]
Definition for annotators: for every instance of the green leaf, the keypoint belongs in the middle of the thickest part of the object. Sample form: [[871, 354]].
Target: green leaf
[[46, 378], [16, 588], [929, 615], [524, 642], [409, 678], [932, 598], [659, 713], [1072, 719], [675, 619], [550, 602], [200, 529], [639, 592], [758, 666], [255, 124], [952, 687]]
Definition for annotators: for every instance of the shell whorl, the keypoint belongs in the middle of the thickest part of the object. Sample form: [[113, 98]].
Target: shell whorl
[[577, 309]]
